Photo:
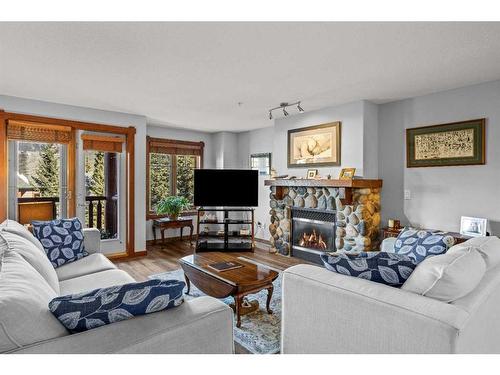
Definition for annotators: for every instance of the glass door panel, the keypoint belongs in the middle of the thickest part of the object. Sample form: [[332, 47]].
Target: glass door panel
[[38, 187]]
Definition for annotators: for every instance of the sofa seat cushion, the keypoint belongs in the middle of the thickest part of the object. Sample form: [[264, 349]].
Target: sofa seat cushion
[[34, 256], [449, 276], [25, 317], [19, 229], [385, 268], [418, 244], [62, 240], [85, 266], [88, 310], [94, 281]]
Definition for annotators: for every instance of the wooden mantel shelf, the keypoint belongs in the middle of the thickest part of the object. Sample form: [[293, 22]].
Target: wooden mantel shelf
[[356, 183]]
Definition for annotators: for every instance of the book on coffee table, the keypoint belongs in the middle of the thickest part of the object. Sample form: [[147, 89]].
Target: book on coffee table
[[225, 266]]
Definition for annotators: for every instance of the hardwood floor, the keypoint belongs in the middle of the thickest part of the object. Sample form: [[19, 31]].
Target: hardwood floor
[[163, 258]]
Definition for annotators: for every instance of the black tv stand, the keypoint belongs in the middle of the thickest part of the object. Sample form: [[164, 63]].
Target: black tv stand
[[226, 239]]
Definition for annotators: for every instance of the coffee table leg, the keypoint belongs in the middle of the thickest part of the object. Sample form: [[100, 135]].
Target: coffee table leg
[[269, 296], [237, 306], [188, 284]]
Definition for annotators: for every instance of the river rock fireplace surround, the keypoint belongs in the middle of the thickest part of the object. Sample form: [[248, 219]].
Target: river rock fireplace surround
[[344, 213]]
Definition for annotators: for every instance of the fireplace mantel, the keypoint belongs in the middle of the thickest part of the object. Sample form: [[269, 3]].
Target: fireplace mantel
[[346, 185], [355, 183]]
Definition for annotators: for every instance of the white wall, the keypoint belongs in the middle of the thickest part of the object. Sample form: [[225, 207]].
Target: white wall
[[440, 195], [41, 108], [353, 152]]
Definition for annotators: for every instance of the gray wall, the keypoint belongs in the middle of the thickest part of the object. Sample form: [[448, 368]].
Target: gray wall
[[440, 195], [41, 108]]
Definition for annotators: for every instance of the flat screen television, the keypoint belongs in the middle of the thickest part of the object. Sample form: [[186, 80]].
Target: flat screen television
[[226, 188]]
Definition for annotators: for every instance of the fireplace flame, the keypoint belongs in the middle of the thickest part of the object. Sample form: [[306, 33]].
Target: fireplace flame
[[312, 241]]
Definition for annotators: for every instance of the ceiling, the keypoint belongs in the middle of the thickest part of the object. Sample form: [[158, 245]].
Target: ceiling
[[193, 75]]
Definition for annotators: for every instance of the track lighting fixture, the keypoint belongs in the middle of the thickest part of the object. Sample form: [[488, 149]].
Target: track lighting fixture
[[283, 107]]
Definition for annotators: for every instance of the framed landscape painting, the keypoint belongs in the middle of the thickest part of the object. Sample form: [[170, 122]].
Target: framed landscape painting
[[314, 146], [457, 143]]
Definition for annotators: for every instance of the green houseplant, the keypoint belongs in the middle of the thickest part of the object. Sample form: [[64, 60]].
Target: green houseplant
[[172, 206]]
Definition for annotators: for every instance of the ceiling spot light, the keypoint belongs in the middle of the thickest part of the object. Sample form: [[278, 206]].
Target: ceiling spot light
[[283, 106]]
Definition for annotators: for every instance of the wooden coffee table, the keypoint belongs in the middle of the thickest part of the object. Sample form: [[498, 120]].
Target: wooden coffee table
[[239, 282]]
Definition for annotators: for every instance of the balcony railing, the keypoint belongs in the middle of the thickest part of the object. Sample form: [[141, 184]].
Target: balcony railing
[[100, 211]]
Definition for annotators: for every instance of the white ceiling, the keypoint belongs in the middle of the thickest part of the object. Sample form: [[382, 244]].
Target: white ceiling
[[192, 75]]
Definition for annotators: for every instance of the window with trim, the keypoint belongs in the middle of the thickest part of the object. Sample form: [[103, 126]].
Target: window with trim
[[170, 166]]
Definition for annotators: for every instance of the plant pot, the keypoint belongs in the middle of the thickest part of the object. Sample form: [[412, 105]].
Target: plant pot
[[173, 216]]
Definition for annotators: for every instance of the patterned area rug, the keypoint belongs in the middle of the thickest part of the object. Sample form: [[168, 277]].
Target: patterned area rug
[[259, 332]]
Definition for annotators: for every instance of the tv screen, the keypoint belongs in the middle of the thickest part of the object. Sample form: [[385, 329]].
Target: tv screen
[[226, 187]]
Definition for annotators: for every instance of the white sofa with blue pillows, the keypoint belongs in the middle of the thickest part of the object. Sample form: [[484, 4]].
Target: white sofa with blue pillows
[[28, 282], [449, 304]]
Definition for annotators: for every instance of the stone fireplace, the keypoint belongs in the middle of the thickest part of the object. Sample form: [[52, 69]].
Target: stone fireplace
[[344, 213]]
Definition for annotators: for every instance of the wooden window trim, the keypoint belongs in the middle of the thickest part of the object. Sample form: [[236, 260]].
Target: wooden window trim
[[167, 144], [128, 132]]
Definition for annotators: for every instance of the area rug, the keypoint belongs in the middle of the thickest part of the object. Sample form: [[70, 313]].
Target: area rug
[[259, 332]]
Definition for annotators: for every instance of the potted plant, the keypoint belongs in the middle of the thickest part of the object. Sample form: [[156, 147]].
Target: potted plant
[[172, 206]]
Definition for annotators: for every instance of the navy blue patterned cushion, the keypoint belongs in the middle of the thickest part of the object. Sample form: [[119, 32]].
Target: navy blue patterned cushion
[[84, 311], [419, 244], [62, 240], [385, 268]]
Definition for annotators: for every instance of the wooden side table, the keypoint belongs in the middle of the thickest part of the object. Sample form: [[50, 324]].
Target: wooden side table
[[390, 232], [167, 223]]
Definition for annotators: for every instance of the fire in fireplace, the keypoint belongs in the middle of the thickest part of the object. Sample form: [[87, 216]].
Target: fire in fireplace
[[313, 233], [313, 241]]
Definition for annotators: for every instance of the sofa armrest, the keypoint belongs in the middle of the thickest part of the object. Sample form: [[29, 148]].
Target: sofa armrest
[[387, 245], [326, 312], [203, 325], [92, 240]]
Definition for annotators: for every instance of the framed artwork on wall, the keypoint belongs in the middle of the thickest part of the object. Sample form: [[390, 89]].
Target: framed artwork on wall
[[261, 162], [314, 146], [457, 143]]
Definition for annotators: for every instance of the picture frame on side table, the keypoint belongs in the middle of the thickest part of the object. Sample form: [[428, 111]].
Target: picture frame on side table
[[314, 146], [456, 143], [473, 226]]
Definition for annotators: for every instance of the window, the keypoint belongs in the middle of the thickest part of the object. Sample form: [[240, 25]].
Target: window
[[261, 163], [170, 169]]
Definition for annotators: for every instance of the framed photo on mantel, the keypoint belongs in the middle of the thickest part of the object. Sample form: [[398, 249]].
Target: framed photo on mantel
[[314, 146], [456, 143]]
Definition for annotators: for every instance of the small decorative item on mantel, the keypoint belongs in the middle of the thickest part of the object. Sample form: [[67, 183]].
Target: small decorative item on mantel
[[347, 173], [172, 206], [312, 174]]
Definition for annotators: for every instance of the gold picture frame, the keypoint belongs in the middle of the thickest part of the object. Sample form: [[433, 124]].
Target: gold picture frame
[[314, 146], [347, 173]]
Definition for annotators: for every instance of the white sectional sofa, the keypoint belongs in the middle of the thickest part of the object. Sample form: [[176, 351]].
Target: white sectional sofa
[[28, 282], [326, 312]]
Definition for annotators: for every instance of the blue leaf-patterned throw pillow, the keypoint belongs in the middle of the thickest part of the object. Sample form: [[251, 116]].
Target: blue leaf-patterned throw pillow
[[380, 267], [84, 311], [419, 244], [62, 240]]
